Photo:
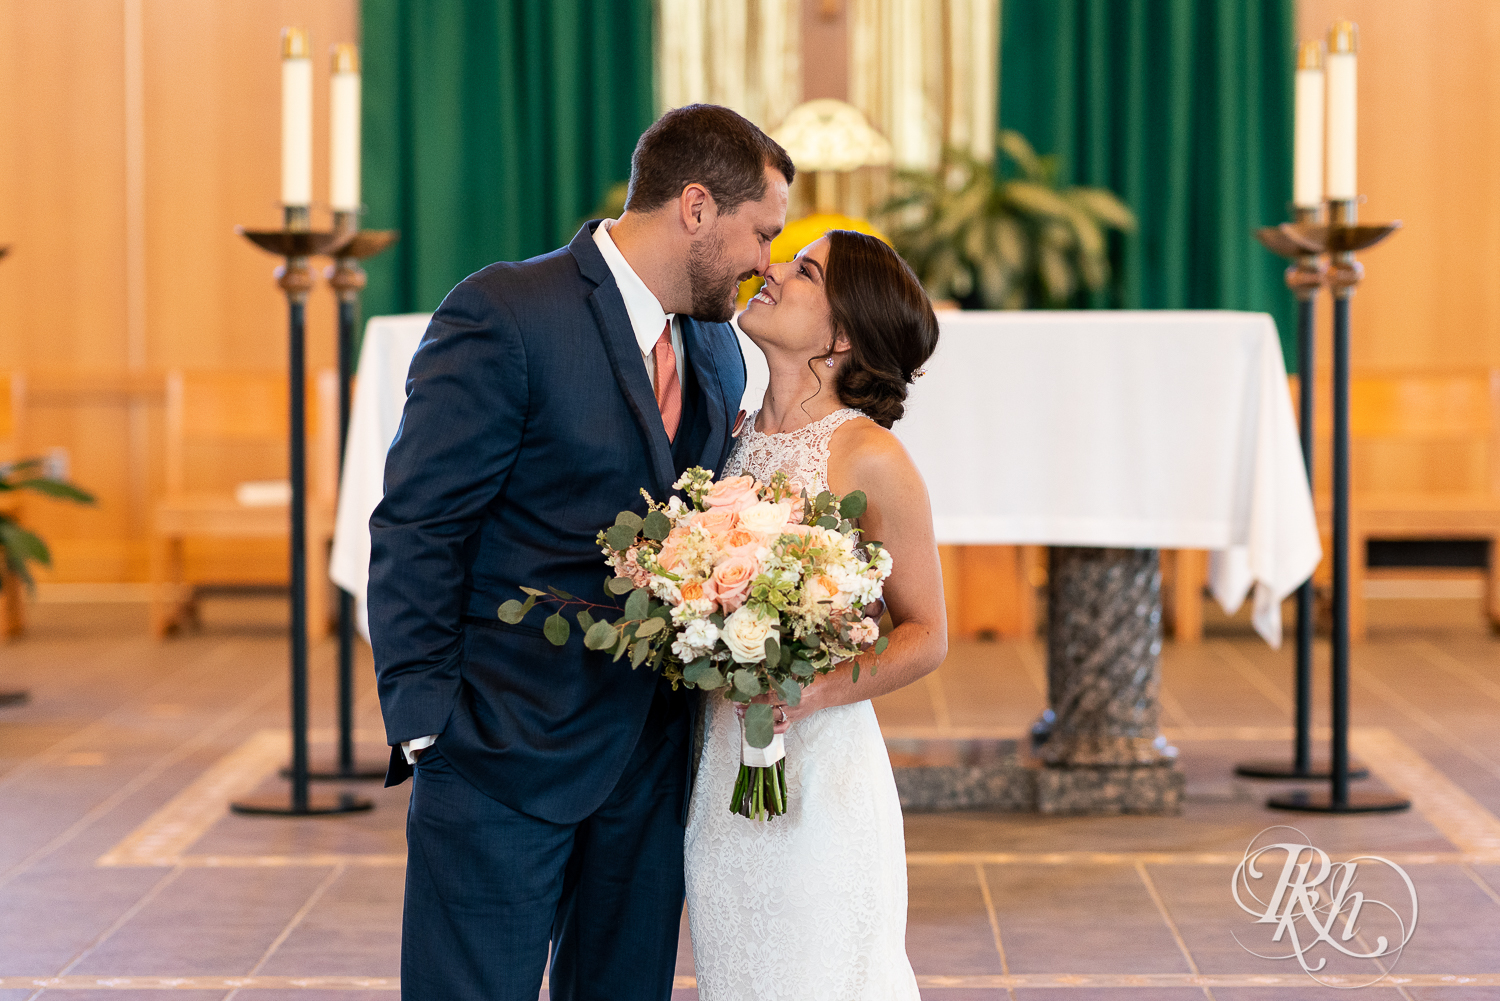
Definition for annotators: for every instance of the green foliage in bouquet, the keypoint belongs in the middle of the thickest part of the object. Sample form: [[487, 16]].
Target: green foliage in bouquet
[[1006, 238], [21, 546]]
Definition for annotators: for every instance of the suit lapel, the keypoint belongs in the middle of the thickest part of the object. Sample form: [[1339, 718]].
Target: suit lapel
[[625, 355], [696, 341]]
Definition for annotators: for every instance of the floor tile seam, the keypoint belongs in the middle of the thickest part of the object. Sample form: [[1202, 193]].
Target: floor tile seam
[[1173, 707], [233, 717], [1252, 673], [1166, 916], [1443, 660], [125, 917], [1425, 721], [915, 859], [1458, 816], [994, 917], [1385, 971], [296, 920], [1481, 882], [206, 662]]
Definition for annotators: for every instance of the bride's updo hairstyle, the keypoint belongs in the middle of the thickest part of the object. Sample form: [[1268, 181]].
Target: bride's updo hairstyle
[[875, 299]]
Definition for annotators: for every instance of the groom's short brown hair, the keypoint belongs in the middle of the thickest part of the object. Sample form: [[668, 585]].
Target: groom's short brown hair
[[703, 144]]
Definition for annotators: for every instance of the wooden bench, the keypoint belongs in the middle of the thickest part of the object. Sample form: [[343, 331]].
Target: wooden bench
[[223, 426]]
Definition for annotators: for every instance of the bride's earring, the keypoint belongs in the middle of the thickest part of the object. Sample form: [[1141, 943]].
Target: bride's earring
[[829, 363]]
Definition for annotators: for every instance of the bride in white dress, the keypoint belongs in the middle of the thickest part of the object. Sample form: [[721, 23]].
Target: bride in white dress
[[811, 905]]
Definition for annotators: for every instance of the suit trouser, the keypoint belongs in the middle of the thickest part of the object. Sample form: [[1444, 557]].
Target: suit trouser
[[487, 887]]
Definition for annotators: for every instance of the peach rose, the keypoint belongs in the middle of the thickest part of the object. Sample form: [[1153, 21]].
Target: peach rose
[[734, 494], [694, 590], [767, 517], [730, 583], [742, 542], [821, 587], [717, 522]]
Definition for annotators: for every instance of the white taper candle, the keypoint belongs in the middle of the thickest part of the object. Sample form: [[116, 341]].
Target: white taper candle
[[344, 124], [1343, 46], [296, 118], [1307, 156]]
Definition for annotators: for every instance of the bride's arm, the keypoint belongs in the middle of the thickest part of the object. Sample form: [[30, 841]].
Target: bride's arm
[[865, 456]]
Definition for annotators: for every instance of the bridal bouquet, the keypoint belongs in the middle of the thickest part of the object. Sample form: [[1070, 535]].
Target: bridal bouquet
[[745, 588]]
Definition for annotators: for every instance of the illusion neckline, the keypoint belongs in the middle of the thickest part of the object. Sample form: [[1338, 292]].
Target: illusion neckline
[[755, 419]]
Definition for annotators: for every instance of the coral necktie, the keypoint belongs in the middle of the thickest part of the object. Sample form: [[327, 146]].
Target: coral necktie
[[668, 387]]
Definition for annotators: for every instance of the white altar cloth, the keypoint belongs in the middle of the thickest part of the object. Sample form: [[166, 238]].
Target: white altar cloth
[[1120, 428], [1095, 428], [374, 415]]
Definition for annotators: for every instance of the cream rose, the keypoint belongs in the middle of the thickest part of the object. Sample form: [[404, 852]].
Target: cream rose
[[745, 634], [733, 494], [766, 517], [730, 583]]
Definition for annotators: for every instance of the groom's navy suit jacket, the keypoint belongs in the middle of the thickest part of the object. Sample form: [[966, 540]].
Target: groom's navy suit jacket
[[529, 424]]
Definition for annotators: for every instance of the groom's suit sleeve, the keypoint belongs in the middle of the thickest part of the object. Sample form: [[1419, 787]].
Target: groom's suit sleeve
[[454, 450]]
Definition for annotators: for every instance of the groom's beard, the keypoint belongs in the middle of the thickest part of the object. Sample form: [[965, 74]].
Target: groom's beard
[[712, 286]]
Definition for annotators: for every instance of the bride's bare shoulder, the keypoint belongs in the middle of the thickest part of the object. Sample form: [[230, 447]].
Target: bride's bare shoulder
[[863, 453]]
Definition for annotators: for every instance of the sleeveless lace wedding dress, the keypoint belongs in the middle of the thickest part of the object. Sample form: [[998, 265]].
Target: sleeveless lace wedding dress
[[810, 905]]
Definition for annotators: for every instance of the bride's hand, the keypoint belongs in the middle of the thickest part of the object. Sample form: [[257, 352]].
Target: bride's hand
[[781, 713]]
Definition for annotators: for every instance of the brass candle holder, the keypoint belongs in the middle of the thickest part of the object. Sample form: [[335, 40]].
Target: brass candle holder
[[1340, 238], [296, 242], [348, 279], [1304, 276]]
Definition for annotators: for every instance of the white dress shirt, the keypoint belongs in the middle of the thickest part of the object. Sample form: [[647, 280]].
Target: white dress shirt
[[647, 319]]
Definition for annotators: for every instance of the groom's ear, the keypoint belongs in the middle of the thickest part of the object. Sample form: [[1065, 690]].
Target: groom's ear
[[697, 208]]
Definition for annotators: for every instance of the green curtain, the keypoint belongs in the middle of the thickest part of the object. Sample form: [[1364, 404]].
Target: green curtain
[[1184, 109], [490, 128]]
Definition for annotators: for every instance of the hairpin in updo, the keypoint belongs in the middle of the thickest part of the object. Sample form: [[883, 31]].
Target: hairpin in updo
[[917, 375]]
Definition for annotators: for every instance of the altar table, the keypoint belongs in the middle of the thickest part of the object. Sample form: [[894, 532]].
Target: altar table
[[1093, 428]]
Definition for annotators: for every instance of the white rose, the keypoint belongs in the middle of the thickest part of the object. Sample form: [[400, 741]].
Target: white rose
[[745, 634], [766, 517]]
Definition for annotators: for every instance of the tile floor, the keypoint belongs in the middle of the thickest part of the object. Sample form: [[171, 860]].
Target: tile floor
[[120, 870]]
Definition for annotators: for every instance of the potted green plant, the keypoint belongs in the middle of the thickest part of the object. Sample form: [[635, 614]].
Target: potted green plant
[[21, 546], [1006, 238]]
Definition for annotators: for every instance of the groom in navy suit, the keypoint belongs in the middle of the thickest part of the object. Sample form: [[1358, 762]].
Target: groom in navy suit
[[551, 783]]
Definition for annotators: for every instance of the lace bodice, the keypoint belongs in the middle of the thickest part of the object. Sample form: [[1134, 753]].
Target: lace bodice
[[801, 454]]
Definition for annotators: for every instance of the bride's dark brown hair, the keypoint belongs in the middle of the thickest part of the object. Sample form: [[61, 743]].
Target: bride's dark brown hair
[[876, 300]]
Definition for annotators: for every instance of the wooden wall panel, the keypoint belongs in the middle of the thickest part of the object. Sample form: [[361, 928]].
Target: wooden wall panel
[[1429, 142], [134, 135]]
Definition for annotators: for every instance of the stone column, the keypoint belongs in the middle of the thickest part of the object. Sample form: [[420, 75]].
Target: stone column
[[1101, 739]]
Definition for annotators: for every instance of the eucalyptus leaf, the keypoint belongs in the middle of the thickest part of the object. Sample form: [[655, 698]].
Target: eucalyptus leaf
[[746, 682], [629, 519], [789, 690], [802, 668], [772, 652], [854, 674], [556, 629], [881, 644], [703, 674], [637, 605], [619, 585], [533, 592], [760, 724], [657, 526], [601, 636], [512, 612], [585, 620], [827, 522], [639, 652], [853, 505], [650, 627], [559, 592], [620, 537]]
